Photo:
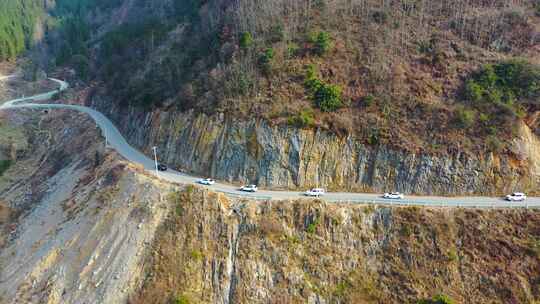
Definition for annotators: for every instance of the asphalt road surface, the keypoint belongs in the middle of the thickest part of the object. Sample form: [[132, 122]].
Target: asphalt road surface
[[116, 141]]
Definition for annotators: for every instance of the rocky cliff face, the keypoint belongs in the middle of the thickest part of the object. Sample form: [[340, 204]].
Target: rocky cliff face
[[216, 250], [286, 157]]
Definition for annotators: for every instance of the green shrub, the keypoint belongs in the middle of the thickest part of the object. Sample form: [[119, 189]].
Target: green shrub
[[425, 46], [438, 299], [182, 299], [311, 73], [369, 100], [406, 230], [265, 60], [4, 166], [465, 118], [442, 299], [323, 43], [312, 227], [484, 118], [303, 119], [276, 33], [293, 49], [326, 97], [238, 83], [268, 55], [499, 92], [504, 82], [342, 288], [452, 255], [246, 40], [319, 4], [197, 255], [473, 91]]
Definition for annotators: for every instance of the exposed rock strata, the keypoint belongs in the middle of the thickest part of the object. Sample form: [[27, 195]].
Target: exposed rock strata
[[286, 157]]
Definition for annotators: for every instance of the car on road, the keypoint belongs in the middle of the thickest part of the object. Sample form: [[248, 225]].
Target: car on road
[[249, 188], [162, 167], [394, 195], [315, 192], [207, 181], [516, 197]]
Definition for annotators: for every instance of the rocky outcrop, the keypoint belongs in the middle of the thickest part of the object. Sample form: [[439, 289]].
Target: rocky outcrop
[[286, 157], [219, 250]]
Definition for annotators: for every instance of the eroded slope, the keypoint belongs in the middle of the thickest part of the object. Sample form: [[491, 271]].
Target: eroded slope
[[76, 218], [216, 250]]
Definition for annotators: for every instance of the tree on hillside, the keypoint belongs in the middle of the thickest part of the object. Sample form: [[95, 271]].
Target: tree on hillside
[[17, 22]]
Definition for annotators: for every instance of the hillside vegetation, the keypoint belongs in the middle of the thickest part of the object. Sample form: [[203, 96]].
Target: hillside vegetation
[[404, 73], [416, 75], [17, 24]]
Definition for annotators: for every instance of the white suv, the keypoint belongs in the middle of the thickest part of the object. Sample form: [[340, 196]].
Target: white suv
[[249, 188], [207, 181], [315, 192], [516, 197], [394, 195]]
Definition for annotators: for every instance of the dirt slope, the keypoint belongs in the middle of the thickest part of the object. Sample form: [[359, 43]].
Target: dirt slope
[[75, 217]]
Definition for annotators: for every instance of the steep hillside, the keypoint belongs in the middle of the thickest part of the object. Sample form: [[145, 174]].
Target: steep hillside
[[438, 89], [216, 250], [75, 219], [81, 225], [420, 96], [378, 71]]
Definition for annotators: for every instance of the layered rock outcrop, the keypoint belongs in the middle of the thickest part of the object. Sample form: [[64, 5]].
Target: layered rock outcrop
[[287, 157]]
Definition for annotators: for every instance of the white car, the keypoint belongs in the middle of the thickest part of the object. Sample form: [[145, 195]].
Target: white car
[[516, 197], [316, 192], [207, 181], [249, 188], [394, 195]]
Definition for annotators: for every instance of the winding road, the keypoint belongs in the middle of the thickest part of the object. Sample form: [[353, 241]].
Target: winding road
[[119, 143]]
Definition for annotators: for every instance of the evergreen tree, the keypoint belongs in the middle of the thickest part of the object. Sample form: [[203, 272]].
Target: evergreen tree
[[17, 23]]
